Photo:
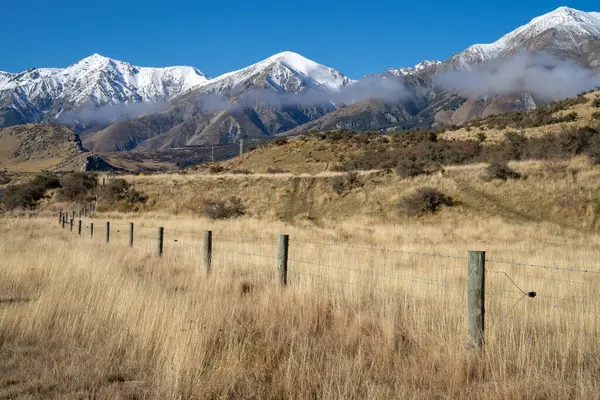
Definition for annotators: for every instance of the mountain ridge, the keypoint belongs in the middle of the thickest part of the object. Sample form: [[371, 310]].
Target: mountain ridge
[[288, 93]]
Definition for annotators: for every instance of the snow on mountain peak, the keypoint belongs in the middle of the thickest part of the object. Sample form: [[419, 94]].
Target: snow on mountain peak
[[572, 24], [94, 81], [286, 71], [420, 67]]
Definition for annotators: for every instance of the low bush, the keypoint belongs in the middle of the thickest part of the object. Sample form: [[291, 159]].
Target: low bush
[[26, 195], [230, 208], [344, 183], [119, 190], [424, 200], [241, 171], [23, 196], [596, 115], [596, 102], [593, 151], [271, 170], [409, 167], [5, 178], [77, 186], [500, 170], [215, 169]]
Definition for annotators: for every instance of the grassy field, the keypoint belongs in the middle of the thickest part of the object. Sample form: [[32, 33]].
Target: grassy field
[[80, 318]]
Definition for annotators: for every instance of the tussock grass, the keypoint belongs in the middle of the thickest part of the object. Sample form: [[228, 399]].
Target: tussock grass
[[80, 318]]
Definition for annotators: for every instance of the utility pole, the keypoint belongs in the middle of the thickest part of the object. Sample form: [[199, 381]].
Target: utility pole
[[241, 147]]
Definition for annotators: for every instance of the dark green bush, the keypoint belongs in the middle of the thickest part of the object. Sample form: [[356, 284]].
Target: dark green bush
[[596, 102], [500, 170], [117, 190], [23, 196], [230, 208], [409, 167], [77, 186], [26, 195], [5, 177], [514, 145], [346, 182], [593, 152], [272, 170], [424, 200]]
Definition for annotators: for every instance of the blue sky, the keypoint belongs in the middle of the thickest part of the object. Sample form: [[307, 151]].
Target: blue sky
[[219, 36]]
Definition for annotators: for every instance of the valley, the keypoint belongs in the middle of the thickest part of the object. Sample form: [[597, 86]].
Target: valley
[[283, 230]]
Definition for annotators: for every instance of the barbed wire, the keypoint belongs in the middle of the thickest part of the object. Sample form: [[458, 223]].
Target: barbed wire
[[344, 245], [370, 287], [560, 280], [543, 266], [373, 273]]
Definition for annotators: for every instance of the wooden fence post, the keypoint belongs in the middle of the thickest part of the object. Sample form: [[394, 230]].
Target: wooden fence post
[[476, 298], [159, 240], [107, 231], [282, 259], [207, 251], [64, 221], [60, 215], [131, 234], [103, 181], [73, 214], [91, 229], [71, 225], [79, 227]]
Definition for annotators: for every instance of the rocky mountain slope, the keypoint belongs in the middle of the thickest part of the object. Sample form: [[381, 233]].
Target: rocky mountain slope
[[36, 147], [563, 35], [565, 32], [289, 94], [75, 93], [269, 97]]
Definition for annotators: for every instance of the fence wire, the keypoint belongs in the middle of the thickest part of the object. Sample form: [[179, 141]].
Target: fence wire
[[419, 278]]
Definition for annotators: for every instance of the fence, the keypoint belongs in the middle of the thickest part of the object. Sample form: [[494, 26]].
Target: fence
[[518, 291]]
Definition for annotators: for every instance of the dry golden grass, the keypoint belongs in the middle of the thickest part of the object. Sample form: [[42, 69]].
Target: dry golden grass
[[584, 118], [80, 318]]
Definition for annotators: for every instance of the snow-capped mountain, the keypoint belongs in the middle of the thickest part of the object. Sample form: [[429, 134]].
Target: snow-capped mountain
[[45, 93], [424, 66], [284, 72], [564, 32]]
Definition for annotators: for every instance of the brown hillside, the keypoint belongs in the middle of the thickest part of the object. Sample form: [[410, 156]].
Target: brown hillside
[[35, 147], [316, 153]]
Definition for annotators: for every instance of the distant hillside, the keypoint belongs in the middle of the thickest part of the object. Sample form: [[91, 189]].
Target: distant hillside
[[35, 147], [559, 130]]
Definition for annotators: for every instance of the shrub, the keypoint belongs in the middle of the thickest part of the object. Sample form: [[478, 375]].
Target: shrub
[[4, 177], [596, 102], [500, 170], [424, 200], [23, 196], [409, 167], [343, 183], [26, 195], [230, 208], [596, 115], [120, 190], [514, 145], [77, 186], [271, 170], [241, 171], [593, 152], [215, 169]]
